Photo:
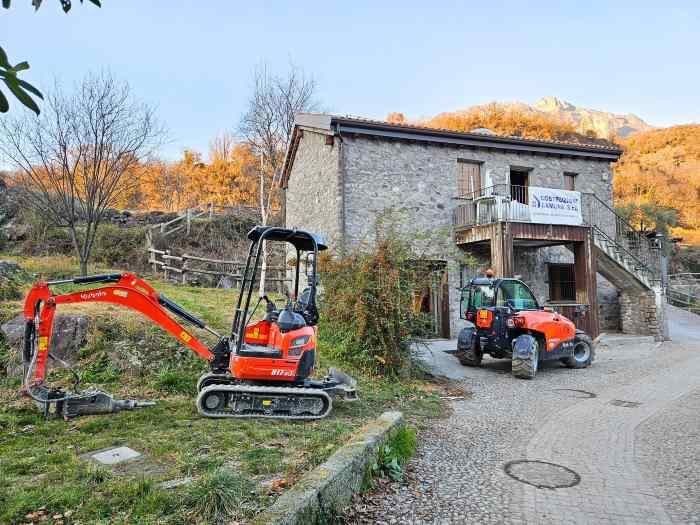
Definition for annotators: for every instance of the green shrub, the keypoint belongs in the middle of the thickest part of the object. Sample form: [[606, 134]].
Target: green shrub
[[120, 247], [368, 304]]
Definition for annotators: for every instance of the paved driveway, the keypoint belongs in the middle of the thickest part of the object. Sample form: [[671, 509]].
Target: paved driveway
[[616, 443]]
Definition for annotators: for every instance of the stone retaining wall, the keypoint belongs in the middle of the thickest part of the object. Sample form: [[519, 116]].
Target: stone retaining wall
[[642, 313], [318, 496]]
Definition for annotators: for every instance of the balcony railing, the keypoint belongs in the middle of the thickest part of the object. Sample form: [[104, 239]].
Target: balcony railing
[[509, 203]]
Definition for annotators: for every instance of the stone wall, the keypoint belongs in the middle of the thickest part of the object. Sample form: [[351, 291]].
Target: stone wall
[[313, 197], [418, 183], [642, 313]]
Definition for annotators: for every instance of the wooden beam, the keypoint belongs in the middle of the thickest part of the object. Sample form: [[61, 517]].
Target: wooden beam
[[502, 250], [585, 274]]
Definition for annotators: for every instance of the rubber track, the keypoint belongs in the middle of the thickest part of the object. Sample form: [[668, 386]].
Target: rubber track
[[272, 390]]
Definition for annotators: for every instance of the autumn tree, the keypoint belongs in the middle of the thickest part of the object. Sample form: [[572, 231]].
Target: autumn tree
[[266, 126], [72, 161]]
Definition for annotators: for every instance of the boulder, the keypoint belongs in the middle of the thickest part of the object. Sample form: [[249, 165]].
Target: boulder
[[15, 231], [69, 336], [12, 270]]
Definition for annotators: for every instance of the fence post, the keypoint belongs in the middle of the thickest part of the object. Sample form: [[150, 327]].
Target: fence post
[[188, 215], [184, 269], [165, 266], [211, 210]]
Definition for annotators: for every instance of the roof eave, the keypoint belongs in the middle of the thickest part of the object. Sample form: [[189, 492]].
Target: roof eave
[[475, 140]]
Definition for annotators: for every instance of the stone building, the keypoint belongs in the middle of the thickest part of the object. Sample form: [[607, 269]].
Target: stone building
[[541, 210]]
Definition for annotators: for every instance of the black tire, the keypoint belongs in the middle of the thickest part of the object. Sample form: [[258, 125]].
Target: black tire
[[584, 352], [471, 356], [525, 366]]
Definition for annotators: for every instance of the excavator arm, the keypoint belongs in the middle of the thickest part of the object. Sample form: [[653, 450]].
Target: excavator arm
[[127, 290]]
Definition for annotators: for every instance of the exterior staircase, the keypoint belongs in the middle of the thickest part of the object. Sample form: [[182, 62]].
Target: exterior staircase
[[632, 262], [626, 257]]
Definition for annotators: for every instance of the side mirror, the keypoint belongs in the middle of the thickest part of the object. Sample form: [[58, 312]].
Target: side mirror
[[309, 266]]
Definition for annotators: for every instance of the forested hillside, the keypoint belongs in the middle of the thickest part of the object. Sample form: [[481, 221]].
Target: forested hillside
[[506, 119], [659, 177]]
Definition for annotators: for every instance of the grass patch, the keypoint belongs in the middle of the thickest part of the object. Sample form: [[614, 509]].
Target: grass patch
[[219, 497], [129, 357]]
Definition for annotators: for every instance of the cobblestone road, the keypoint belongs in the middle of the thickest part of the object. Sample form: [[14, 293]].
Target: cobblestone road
[[626, 430]]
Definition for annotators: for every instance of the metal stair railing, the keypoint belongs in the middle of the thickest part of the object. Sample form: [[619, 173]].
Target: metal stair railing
[[683, 291], [613, 233]]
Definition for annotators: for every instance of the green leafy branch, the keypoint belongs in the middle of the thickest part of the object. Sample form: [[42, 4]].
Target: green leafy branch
[[21, 89]]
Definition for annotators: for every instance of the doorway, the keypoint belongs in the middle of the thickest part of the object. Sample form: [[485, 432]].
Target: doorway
[[518, 185], [433, 301]]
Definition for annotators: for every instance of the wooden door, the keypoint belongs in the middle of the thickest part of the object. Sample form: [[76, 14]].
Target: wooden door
[[469, 179]]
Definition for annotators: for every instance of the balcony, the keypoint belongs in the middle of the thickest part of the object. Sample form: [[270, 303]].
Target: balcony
[[553, 216], [510, 203]]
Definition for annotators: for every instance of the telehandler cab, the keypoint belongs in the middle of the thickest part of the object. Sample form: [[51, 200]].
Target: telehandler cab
[[262, 369], [504, 320]]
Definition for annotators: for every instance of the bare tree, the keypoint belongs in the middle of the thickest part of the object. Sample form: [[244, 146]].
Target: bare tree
[[267, 127], [71, 161]]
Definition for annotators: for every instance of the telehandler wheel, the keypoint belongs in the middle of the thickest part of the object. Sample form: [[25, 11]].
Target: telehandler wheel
[[584, 353], [526, 357], [471, 356]]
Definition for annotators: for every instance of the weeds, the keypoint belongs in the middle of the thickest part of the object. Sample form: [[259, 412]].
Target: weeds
[[218, 497], [391, 456]]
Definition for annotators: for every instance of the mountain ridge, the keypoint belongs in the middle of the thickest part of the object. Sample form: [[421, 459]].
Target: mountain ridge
[[586, 121]]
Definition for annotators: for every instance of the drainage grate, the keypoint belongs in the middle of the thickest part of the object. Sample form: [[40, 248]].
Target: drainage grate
[[573, 392], [626, 404], [542, 474]]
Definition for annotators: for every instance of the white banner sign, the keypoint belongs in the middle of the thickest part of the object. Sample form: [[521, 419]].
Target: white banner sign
[[550, 206]]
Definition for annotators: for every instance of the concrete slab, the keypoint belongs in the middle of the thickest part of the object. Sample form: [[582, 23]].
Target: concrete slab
[[114, 456]]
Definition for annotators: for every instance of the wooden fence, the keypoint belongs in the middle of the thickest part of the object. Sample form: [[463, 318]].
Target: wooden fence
[[184, 267]]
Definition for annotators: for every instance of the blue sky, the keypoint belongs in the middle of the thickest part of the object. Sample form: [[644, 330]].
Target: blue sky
[[193, 59]]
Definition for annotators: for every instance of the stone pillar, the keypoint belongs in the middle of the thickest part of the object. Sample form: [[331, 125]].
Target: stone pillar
[[643, 313]]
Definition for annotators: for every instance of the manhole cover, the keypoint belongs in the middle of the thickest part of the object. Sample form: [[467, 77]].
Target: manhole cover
[[572, 392], [542, 474], [626, 404]]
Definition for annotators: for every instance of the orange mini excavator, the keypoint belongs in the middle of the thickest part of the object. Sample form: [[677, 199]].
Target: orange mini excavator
[[263, 369]]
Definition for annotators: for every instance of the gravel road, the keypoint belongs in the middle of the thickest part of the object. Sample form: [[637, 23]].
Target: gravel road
[[615, 443]]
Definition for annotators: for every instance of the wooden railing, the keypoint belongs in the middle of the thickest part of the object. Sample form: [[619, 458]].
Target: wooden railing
[[183, 267]]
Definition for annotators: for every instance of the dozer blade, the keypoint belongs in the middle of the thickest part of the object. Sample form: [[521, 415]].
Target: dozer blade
[[346, 386], [221, 401]]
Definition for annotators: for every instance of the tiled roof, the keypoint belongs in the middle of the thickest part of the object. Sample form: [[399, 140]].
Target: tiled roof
[[414, 127]]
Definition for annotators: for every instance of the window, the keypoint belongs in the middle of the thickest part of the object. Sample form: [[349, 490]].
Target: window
[[562, 283], [468, 178], [482, 296], [570, 181], [516, 295]]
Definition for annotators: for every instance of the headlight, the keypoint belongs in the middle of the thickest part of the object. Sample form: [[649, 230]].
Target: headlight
[[300, 341]]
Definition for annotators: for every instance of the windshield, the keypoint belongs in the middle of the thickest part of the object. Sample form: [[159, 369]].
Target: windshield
[[516, 295], [483, 296]]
